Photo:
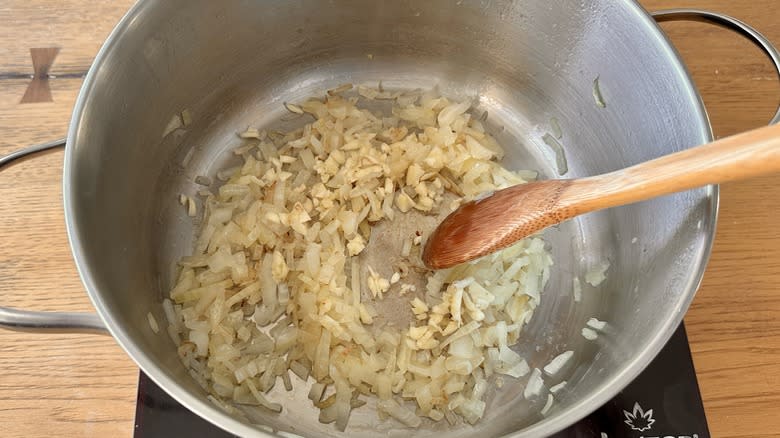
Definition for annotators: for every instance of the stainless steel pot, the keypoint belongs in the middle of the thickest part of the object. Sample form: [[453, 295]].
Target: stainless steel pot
[[233, 63]]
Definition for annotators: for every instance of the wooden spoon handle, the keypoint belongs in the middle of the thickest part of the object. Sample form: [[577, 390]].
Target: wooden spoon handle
[[741, 156]]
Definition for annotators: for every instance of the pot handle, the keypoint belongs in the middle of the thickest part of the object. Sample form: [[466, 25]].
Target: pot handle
[[51, 322], [727, 22]]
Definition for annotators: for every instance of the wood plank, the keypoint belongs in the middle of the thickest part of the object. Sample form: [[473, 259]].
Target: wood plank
[[733, 324], [51, 385]]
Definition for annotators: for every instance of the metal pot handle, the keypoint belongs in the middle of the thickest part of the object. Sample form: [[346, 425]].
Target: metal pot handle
[[727, 22], [51, 322]]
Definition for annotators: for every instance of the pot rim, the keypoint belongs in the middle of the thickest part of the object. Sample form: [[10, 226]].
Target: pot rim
[[556, 422]]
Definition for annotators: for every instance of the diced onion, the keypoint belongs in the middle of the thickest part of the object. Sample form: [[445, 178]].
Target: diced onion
[[597, 94], [279, 269], [597, 275], [558, 363], [153, 323], [596, 324], [548, 404], [534, 385], [555, 388], [589, 334], [577, 289]]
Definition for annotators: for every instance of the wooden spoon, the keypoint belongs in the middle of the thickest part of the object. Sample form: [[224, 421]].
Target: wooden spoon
[[489, 224]]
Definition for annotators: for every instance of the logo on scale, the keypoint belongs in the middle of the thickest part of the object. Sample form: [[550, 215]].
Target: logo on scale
[[638, 419]]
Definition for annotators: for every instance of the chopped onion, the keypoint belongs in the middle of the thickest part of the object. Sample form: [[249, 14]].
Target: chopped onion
[[555, 388], [597, 94], [186, 118], [316, 391], [534, 385], [293, 108], [597, 275], [275, 281], [558, 363], [589, 334], [400, 413], [577, 289], [596, 324], [340, 89], [170, 312], [548, 405], [192, 208], [555, 127], [173, 124], [560, 155], [153, 323], [275, 407]]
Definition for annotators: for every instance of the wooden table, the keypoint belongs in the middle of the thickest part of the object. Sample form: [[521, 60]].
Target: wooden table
[[76, 385]]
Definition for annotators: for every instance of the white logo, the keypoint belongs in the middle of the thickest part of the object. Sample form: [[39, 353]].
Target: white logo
[[638, 419]]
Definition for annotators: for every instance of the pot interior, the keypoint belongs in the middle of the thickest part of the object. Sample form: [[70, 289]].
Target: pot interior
[[232, 64]]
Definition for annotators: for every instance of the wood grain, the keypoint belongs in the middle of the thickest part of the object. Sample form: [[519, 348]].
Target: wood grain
[[51, 385], [71, 385]]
